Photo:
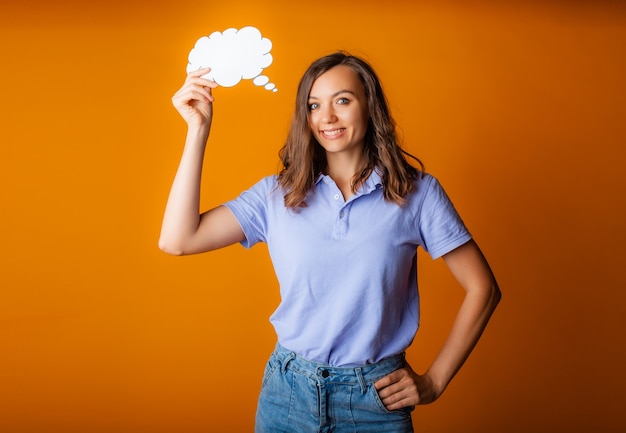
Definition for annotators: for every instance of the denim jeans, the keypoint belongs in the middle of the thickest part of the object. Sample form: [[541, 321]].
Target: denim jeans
[[299, 396]]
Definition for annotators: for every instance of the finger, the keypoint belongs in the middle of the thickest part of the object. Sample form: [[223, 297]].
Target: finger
[[390, 390], [192, 92], [199, 82], [391, 399], [398, 404], [390, 379], [199, 72], [197, 77], [200, 93], [190, 98], [400, 397]]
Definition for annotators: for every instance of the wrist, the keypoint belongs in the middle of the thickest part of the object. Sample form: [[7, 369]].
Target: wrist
[[198, 131], [438, 382]]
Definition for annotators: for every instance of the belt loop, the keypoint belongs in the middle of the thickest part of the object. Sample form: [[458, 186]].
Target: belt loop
[[359, 375], [287, 360]]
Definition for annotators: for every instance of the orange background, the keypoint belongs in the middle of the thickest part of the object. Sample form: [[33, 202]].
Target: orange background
[[518, 108]]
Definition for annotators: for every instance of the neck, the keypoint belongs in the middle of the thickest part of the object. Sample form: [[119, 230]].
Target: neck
[[342, 169]]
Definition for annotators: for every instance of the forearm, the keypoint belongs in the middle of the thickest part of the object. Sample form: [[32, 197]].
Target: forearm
[[182, 212], [404, 387], [471, 319]]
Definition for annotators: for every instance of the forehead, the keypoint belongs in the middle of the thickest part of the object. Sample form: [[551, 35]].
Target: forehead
[[336, 79]]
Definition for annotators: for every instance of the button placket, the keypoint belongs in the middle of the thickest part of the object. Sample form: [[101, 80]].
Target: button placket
[[341, 222]]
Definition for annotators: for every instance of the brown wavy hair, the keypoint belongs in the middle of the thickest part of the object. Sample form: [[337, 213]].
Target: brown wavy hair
[[304, 159]]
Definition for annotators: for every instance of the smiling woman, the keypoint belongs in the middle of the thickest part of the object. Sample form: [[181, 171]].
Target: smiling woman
[[518, 107], [338, 120], [347, 313], [304, 155]]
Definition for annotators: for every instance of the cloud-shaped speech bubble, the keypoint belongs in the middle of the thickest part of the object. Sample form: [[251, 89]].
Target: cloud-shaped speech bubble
[[233, 55]]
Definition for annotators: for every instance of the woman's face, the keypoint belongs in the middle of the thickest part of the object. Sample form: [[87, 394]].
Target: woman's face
[[338, 113]]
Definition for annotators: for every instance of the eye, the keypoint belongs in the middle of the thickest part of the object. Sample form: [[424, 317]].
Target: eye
[[313, 106], [343, 101]]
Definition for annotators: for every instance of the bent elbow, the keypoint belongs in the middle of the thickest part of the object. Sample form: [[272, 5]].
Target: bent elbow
[[171, 248], [496, 295]]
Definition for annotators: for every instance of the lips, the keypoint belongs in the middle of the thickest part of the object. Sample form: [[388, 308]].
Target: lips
[[330, 133]]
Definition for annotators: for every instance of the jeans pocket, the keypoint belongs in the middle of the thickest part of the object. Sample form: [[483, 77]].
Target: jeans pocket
[[404, 411], [272, 365]]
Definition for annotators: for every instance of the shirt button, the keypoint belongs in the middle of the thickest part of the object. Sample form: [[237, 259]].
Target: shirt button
[[336, 196], [325, 374]]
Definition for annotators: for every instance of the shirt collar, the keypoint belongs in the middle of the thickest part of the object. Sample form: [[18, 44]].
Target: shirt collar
[[373, 182]]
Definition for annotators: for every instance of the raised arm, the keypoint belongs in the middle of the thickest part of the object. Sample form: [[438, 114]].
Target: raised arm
[[184, 230]]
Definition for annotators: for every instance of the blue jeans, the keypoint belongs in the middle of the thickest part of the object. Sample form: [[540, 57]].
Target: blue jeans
[[300, 396]]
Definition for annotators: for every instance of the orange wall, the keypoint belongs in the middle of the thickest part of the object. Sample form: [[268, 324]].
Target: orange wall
[[518, 109]]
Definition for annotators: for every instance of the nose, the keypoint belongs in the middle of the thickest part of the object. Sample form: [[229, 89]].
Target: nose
[[327, 114]]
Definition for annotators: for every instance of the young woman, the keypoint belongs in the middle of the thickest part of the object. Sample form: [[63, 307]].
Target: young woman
[[342, 221]]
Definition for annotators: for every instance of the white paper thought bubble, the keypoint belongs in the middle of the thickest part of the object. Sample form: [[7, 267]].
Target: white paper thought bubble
[[233, 55]]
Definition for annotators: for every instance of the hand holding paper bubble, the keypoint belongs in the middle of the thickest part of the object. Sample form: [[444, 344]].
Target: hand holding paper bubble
[[233, 55]]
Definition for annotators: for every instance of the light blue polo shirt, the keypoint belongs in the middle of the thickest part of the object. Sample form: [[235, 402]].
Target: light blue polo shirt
[[348, 269]]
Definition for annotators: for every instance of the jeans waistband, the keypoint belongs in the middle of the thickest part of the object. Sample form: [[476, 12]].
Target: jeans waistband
[[323, 373]]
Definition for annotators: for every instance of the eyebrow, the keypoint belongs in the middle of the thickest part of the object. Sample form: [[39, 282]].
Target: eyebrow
[[335, 94]]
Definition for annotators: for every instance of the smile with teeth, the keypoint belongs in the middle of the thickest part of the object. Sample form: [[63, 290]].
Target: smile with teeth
[[332, 132]]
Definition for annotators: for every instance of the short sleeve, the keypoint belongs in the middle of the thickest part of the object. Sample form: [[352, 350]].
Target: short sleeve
[[251, 210], [441, 228]]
